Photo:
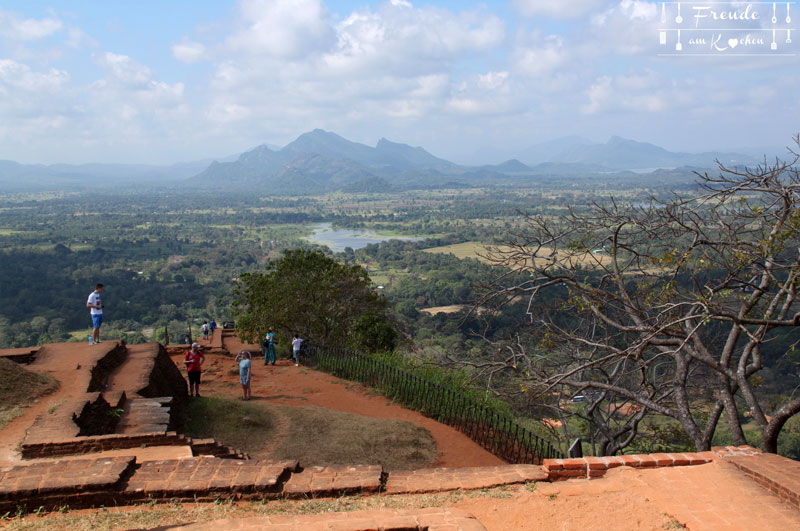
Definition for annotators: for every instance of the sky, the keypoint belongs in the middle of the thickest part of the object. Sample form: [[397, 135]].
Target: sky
[[476, 82]]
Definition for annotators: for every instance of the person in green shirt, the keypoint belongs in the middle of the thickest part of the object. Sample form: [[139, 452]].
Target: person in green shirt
[[269, 353]]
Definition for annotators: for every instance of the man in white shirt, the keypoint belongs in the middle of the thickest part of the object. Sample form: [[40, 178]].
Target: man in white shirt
[[96, 304], [296, 346]]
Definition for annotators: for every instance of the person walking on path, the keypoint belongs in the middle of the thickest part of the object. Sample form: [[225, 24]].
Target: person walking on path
[[269, 355], [204, 329], [245, 372], [96, 304], [296, 345], [194, 360], [212, 326]]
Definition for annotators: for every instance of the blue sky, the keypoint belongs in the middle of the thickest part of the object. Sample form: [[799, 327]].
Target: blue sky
[[161, 82]]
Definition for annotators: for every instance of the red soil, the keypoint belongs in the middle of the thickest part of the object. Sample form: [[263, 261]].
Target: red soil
[[62, 361], [299, 386]]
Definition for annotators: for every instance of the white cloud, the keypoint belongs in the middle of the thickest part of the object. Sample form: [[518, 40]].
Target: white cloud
[[534, 55], [599, 93], [20, 76], [648, 91], [404, 39], [282, 28], [16, 27], [630, 27], [442, 78], [556, 8], [125, 69], [393, 61], [189, 51], [485, 94], [78, 39]]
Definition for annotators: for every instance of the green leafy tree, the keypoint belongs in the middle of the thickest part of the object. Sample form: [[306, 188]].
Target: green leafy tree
[[372, 332], [311, 294]]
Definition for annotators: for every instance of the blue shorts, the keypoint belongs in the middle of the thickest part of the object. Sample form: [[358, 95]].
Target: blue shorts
[[97, 320]]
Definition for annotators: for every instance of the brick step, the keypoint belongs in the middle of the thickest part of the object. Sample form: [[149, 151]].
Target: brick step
[[208, 479], [212, 447], [318, 481], [470, 478], [777, 474], [431, 519], [146, 415], [83, 482], [65, 444]]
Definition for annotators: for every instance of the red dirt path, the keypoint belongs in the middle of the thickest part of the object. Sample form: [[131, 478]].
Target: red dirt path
[[712, 497], [300, 386]]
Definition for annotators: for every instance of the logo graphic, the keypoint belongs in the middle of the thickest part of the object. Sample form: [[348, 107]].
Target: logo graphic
[[727, 28]]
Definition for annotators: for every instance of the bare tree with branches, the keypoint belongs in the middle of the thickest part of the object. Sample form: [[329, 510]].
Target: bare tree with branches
[[665, 305]]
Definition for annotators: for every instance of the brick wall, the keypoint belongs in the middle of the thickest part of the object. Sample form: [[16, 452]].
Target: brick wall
[[595, 467]]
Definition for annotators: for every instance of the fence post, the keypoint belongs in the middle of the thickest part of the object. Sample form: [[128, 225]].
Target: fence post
[[576, 448]]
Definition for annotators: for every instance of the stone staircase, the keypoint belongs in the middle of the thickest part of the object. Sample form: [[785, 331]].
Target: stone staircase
[[145, 415]]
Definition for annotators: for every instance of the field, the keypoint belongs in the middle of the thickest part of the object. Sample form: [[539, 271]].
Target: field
[[474, 250], [502, 254], [453, 308]]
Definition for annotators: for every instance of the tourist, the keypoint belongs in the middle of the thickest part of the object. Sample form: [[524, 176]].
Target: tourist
[[245, 372], [194, 360], [204, 329], [211, 327], [187, 340], [296, 344], [269, 353], [96, 312]]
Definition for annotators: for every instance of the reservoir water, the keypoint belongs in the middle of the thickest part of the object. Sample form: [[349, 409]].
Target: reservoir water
[[338, 239]]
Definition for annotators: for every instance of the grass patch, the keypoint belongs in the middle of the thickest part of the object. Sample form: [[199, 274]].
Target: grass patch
[[242, 425], [315, 436], [318, 436], [19, 387], [489, 255], [153, 515]]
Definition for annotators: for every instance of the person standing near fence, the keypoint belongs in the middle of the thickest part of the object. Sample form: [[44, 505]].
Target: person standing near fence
[[269, 354], [296, 346]]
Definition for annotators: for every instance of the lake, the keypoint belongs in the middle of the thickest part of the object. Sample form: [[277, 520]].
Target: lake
[[338, 239]]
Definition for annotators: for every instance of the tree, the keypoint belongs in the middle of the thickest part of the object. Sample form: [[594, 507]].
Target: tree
[[667, 305], [308, 293], [373, 332]]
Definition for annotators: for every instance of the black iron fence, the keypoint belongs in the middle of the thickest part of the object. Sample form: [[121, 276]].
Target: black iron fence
[[497, 433]]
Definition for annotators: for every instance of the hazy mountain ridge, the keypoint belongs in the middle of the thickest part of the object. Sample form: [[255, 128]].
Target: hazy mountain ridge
[[329, 161], [319, 161], [619, 154]]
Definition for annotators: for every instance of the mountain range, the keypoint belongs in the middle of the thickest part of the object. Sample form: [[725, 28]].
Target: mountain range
[[620, 154], [321, 161]]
